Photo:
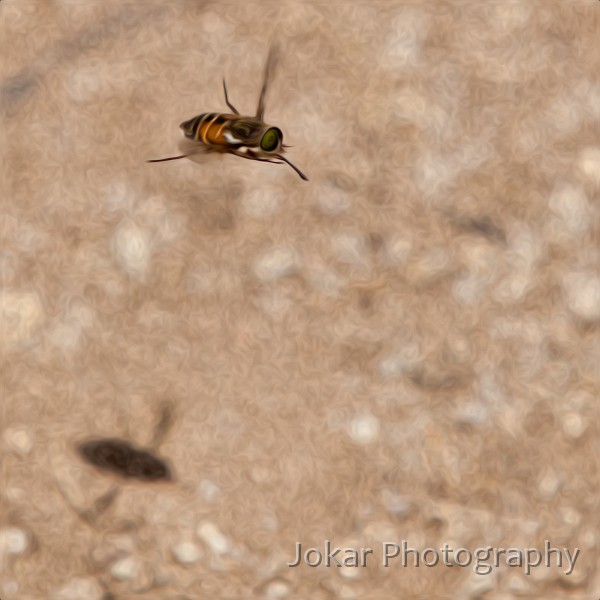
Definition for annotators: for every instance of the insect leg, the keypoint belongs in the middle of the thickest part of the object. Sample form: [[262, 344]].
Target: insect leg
[[100, 505], [302, 175], [164, 424], [233, 108], [275, 162], [170, 158]]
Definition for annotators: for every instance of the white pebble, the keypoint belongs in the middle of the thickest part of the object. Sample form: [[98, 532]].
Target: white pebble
[[573, 425], [397, 250], [432, 173], [514, 286], [13, 540], [570, 516], [471, 413], [405, 38], [277, 262], [570, 206], [125, 569], [187, 553], [20, 315], [395, 503], [209, 491], [210, 534], [589, 163], [131, 246], [18, 440], [364, 429], [277, 589], [80, 588], [468, 289], [349, 572], [582, 292], [549, 484], [525, 247]]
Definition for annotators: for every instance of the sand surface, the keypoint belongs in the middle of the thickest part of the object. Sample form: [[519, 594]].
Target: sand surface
[[406, 347]]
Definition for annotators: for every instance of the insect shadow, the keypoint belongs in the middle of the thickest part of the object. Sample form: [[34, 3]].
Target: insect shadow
[[116, 456], [123, 458]]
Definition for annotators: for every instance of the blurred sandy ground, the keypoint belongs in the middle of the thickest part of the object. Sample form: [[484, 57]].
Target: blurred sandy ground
[[404, 348]]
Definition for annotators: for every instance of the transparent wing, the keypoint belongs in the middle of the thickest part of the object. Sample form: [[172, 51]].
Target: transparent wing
[[269, 67], [193, 150]]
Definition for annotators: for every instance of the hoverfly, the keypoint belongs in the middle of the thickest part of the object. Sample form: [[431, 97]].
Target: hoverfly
[[248, 137]]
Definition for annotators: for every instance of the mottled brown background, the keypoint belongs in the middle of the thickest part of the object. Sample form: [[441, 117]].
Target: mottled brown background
[[406, 347]]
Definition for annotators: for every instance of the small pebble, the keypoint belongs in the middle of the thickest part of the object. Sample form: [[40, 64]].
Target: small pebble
[[210, 534], [277, 589], [395, 503], [277, 263], [19, 440], [549, 484], [589, 163], [582, 291], [349, 572], [571, 208], [79, 588], [13, 540], [209, 490], [132, 249], [573, 425], [187, 553], [570, 516], [364, 429], [125, 569]]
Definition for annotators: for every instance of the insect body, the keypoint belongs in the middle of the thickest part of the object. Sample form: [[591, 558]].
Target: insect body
[[248, 137]]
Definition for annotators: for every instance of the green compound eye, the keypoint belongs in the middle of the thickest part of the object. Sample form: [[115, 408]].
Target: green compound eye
[[271, 139]]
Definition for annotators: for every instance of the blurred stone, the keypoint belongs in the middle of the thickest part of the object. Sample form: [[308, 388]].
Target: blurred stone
[[187, 553], [19, 440], [364, 429], [277, 263], [13, 540], [80, 589], [209, 491], [210, 534], [125, 569]]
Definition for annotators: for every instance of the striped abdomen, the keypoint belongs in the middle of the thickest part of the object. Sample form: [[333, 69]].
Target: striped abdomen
[[208, 128]]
